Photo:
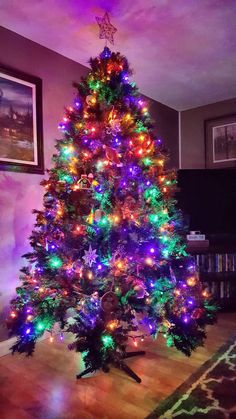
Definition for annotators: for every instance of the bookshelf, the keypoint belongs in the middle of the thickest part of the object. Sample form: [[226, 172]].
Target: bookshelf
[[217, 270]]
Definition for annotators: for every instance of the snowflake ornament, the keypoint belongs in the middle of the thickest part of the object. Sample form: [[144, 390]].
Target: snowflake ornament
[[90, 256]]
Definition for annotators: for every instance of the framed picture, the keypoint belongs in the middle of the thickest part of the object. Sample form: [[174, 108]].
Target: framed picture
[[220, 142], [21, 131]]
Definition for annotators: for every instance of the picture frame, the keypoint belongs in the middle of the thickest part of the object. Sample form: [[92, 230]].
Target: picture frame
[[220, 142], [21, 126]]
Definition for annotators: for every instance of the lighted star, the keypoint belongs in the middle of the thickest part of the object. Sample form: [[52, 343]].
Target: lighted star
[[107, 30], [90, 256]]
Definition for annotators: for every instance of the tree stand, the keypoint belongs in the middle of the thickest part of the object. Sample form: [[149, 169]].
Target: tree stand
[[121, 365]]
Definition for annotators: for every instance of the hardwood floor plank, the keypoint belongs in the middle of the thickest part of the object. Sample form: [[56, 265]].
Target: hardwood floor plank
[[44, 386]]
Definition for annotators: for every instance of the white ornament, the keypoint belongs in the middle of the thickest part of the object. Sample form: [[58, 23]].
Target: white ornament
[[90, 256]]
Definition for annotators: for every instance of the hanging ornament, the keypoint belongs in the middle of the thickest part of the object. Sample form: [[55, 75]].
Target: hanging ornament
[[85, 182], [109, 302], [95, 296], [97, 215], [48, 200], [128, 207], [197, 313], [91, 100], [112, 155], [140, 290], [90, 217], [58, 235], [90, 256], [115, 126], [138, 286]]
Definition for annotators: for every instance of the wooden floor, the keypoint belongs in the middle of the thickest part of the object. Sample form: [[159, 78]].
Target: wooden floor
[[44, 386]]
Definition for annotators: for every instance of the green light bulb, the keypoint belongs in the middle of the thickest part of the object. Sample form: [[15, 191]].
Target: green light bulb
[[153, 218], [40, 326], [66, 178], [99, 164], [107, 341], [55, 262], [103, 221], [66, 151], [147, 161]]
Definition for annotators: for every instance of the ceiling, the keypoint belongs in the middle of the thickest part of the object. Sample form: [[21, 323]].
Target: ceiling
[[183, 51]]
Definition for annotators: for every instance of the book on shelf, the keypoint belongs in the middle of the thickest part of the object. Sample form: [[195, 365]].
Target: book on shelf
[[216, 262], [220, 289]]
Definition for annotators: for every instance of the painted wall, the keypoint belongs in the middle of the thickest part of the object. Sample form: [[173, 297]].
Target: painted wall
[[20, 193], [167, 127], [192, 131]]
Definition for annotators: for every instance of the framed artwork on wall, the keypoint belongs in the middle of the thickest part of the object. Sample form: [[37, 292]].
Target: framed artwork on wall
[[220, 142], [21, 130]]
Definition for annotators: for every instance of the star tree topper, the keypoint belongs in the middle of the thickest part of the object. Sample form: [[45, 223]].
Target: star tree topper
[[90, 256], [107, 30]]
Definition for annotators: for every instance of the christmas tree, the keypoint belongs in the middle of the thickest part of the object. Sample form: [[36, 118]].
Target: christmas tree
[[109, 262]]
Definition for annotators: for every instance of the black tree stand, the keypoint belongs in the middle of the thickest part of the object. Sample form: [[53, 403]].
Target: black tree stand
[[121, 365]]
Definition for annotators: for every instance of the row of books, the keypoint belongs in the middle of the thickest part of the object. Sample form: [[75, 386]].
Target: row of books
[[218, 262], [221, 289]]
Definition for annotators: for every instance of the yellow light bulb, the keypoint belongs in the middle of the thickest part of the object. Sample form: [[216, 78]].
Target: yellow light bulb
[[191, 281], [90, 275]]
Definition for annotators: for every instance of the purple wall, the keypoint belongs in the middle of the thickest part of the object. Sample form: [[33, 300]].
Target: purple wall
[[192, 131], [20, 193]]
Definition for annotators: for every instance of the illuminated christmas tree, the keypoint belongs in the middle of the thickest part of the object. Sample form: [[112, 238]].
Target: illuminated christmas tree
[[109, 261]]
